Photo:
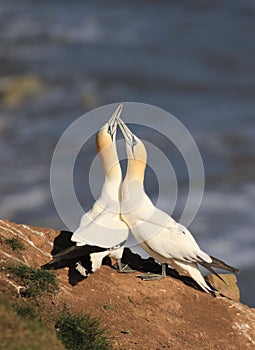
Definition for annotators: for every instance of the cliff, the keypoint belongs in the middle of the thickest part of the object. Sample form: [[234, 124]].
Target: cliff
[[165, 314]]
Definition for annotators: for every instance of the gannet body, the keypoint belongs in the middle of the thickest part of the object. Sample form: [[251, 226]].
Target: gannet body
[[159, 234], [101, 232]]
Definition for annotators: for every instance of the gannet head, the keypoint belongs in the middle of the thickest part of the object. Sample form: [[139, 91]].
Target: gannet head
[[112, 123], [134, 146], [107, 133]]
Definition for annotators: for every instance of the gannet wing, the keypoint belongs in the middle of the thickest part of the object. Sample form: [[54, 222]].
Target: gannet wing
[[90, 215], [173, 243], [86, 219], [71, 253], [149, 213], [106, 231]]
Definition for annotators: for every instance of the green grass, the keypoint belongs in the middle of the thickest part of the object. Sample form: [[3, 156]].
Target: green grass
[[35, 281], [81, 332], [15, 243], [19, 333], [26, 311]]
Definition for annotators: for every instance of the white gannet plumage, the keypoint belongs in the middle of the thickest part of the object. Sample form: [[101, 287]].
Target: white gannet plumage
[[104, 214], [159, 234], [101, 232]]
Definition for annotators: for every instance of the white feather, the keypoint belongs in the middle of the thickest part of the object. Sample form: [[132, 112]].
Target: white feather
[[101, 226], [106, 231], [156, 232]]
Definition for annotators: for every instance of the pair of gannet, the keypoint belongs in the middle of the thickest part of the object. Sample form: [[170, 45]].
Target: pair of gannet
[[104, 229], [101, 232]]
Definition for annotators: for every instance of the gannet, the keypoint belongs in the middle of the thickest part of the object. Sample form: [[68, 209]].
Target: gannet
[[167, 241], [101, 231]]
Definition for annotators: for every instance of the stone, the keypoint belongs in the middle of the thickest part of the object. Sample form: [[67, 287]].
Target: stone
[[229, 288]]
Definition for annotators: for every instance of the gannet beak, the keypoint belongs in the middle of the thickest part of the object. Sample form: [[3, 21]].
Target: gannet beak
[[127, 134], [113, 121]]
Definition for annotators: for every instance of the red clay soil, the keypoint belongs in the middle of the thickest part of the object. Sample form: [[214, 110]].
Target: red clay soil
[[164, 314]]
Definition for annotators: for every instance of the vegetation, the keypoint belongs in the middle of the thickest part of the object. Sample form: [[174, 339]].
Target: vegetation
[[24, 322], [81, 332], [35, 281], [15, 243], [26, 311], [21, 333]]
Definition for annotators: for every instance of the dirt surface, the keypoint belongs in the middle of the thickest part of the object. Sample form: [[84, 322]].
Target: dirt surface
[[164, 314]]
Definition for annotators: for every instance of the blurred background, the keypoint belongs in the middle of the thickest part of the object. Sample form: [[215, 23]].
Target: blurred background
[[59, 59]]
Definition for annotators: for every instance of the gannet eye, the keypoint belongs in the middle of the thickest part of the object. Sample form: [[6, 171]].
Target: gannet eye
[[109, 130], [134, 142]]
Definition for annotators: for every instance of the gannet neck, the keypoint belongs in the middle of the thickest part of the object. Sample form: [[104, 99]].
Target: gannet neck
[[137, 158], [136, 153], [135, 170], [106, 147]]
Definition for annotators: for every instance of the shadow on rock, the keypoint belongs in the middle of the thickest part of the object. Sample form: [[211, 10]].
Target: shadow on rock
[[62, 242], [134, 261]]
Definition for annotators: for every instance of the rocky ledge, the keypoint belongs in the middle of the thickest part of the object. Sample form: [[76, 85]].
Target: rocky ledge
[[165, 314]]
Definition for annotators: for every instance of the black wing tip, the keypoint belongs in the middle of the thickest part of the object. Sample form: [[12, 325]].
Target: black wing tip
[[52, 265], [217, 263], [209, 268], [236, 271], [47, 266]]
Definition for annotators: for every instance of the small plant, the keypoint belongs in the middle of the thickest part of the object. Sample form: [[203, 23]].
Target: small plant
[[15, 243], [26, 311], [81, 332], [107, 306], [35, 281]]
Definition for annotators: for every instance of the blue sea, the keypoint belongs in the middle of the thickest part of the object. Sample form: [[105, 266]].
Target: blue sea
[[196, 60]]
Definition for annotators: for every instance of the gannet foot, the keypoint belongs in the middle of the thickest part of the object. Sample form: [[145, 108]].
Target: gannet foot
[[150, 277], [123, 268], [126, 269]]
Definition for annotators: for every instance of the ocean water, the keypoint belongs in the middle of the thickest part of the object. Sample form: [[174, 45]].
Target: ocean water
[[60, 59]]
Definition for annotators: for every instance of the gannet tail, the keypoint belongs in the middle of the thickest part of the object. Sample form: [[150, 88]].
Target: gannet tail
[[209, 268], [219, 265], [191, 270]]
